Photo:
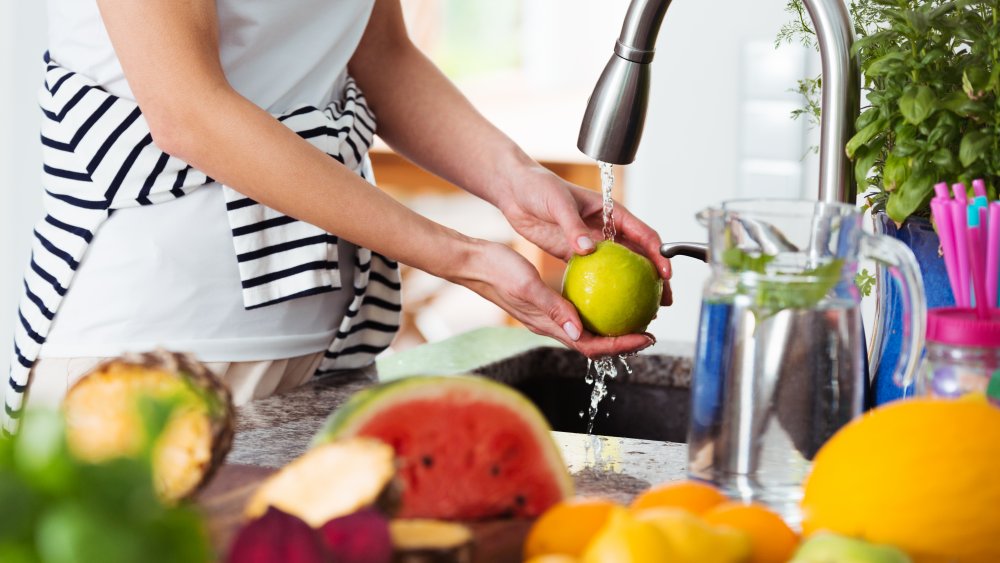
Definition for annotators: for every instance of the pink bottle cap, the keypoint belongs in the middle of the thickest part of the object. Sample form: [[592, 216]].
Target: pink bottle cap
[[958, 326]]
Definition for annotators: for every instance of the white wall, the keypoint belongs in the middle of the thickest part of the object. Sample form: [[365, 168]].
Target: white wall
[[697, 132], [22, 42]]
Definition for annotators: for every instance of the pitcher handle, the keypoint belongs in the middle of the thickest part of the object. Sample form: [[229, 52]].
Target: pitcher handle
[[903, 266]]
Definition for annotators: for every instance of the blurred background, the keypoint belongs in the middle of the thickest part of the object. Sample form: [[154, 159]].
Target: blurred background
[[718, 127]]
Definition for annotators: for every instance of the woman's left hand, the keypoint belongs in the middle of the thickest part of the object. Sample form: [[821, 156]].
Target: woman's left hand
[[564, 219]]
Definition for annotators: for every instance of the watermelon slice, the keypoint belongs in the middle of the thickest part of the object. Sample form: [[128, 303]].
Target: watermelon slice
[[469, 448]]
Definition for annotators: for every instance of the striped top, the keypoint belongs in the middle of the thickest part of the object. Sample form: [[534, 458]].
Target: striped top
[[98, 156]]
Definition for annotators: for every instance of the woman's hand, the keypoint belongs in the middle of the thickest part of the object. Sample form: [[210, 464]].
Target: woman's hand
[[507, 279], [564, 219]]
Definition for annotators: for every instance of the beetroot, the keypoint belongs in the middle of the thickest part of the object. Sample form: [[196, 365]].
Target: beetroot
[[277, 537], [362, 537]]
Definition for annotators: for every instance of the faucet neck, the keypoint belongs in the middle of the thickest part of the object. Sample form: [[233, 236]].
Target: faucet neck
[[637, 41], [840, 98]]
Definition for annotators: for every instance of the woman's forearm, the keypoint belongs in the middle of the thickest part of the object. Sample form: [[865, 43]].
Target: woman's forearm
[[279, 169], [424, 117]]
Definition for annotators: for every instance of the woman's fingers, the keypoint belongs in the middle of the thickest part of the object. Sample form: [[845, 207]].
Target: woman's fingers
[[594, 346], [644, 239]]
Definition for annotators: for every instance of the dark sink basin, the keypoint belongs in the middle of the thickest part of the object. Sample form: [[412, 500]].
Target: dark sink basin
[[651, 403]]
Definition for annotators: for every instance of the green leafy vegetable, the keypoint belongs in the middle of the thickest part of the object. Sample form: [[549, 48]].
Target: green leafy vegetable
[[865, 282]]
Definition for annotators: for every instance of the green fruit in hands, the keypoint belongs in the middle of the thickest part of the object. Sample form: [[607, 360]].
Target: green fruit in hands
[[615, 290], [831, 548]]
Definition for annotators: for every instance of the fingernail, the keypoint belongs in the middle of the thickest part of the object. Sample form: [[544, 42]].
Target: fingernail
[[584, 243], [571, 331]]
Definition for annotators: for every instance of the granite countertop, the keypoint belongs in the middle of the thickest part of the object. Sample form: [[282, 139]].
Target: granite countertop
[[273, 431]]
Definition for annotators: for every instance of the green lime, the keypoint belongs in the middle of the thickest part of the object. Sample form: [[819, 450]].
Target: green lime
[[615, 290]]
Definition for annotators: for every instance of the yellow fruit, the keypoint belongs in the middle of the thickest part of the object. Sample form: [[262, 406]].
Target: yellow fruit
[[568, 527], [771, 540], [104, 418], [692, 540], [627, 540], [694, 496], [615, 290], [919, 474]]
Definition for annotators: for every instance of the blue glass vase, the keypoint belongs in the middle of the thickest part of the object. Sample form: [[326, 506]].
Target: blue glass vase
[[918, 234]]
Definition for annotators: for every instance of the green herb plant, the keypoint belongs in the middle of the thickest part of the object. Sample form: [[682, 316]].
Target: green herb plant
[[57, 509], [931, 87]]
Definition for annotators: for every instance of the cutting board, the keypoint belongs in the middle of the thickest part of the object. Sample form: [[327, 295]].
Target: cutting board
[[496, 541]]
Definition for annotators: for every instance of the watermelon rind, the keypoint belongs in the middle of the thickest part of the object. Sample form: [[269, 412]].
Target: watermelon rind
[[370, 403]]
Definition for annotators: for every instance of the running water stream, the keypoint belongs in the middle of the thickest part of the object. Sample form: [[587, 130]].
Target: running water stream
[[607, 185], [604, 368]]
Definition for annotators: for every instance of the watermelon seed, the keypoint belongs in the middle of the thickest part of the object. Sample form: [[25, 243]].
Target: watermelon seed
[[495, 471], [427, 460], [520, 500]]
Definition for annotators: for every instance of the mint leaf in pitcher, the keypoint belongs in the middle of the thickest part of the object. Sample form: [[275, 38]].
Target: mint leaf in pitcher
[[742, 261], [774, 296], [798, 290]]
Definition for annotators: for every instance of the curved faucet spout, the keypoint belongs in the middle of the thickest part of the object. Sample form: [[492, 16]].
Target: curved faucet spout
[[616, 112]]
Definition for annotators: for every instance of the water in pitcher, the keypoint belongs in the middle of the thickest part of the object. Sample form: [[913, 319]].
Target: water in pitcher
[[769, 390]]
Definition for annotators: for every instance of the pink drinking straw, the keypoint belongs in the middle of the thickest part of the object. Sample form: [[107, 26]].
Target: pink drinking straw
[[992, 251], [960, 229], [979, 187], [941, 189], [946, 233], [960, 193], [978, 282], [984, 230]]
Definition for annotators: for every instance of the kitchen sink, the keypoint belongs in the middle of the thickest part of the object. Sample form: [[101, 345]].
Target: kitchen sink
[[650, 403]]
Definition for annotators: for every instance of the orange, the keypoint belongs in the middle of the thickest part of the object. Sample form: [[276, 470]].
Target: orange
[[553, 558], [771, 540], [919, 474], [694, 496], [568, 526]]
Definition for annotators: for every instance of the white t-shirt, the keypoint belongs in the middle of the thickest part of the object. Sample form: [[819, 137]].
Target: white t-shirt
[[166, 274]]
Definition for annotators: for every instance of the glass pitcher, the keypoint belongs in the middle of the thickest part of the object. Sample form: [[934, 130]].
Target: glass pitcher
[[780, 355]]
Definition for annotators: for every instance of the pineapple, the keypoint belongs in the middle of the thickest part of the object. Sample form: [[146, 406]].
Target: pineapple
[[103, 419]]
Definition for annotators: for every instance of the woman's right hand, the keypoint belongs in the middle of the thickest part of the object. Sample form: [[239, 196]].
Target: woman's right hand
[[506, 278]]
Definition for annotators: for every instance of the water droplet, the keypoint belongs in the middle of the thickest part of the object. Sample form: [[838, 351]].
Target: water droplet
[[622, 359], [607, 414], [581, 414], [613, 397]]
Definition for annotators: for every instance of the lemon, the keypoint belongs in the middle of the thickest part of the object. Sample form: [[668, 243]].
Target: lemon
[[616, 291], [624, 539], [691, 539]]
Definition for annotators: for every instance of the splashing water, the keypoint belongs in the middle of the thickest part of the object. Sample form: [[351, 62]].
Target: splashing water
[[604, 369], [598, 373], [607, 184]]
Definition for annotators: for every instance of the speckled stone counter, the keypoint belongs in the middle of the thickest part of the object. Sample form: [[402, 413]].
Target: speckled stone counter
[[273, 431]]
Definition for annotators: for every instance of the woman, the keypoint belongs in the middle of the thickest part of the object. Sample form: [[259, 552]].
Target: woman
[[151, 106]]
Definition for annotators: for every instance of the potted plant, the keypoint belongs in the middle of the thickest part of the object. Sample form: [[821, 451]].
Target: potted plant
[[931, 113]]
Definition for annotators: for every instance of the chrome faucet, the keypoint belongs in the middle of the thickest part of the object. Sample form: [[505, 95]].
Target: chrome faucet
[[616, 112]]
